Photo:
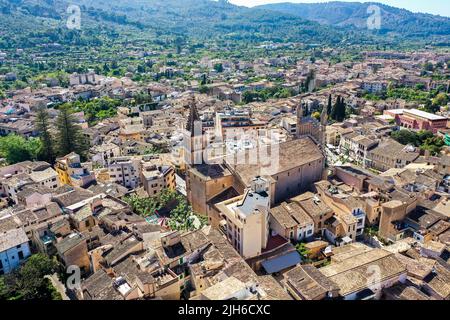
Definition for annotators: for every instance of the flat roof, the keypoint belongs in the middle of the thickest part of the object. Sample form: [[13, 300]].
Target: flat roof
[[423, 114], [253, 201], [396, 111], [282, 262]]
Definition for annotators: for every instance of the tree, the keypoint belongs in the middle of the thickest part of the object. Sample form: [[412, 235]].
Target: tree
[[428, 66], [433, 144], [204, 80], [218, 67], [338, 110], [249, 96], [330, 105], [341, 111], [440, 100], [29, 282], [16, 148], [333, 109], [405, 137], [143, 206], [42, 125], [424, 139], [309, 84], [4, 290], [203, 89], [106, 68], [303, 251], [316, 115], [70, 137], [142, 98]]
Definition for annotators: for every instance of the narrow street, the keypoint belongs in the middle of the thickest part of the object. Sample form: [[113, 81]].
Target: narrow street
[[59, 286], [181, 185]]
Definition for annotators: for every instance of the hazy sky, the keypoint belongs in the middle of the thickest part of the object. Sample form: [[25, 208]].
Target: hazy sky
[[441, 7]]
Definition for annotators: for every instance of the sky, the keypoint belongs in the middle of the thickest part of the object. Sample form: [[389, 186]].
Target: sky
[[440, 7]]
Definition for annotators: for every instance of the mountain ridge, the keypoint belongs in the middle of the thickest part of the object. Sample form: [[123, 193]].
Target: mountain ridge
[[30, 22], [355, 14]]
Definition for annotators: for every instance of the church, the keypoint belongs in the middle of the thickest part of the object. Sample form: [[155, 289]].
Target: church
[[299, 164]]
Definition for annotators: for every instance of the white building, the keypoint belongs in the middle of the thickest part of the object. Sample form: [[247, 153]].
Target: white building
[[290, 125], [247, 219], [125, 171], [86, 78], [374, 86], [102, 154], [291, 221], [357, 147], [47, 178]]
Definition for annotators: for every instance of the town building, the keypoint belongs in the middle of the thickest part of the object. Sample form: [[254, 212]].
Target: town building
[[247, 219], [291, 221], [71, 172], [307, 283], [415, 119], [354, 272], [156, 178], [14, 249], [391, 154]]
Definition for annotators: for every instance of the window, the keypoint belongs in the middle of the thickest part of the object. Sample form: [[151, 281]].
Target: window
[[20, 253]]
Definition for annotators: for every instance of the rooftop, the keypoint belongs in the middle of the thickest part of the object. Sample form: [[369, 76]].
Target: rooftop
[[308, 282], [69, 242], [286, 158], [281, 262], [290, 215], [253, 201], [12, 238], [423, 114], [312, 204], [351, 274]]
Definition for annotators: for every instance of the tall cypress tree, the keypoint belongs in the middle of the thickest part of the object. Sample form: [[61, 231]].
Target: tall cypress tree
[[341, 111], [334, 110], [329, 106], [42, 126], [70, 137]]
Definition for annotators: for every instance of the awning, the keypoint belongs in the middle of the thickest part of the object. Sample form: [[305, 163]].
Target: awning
[[282, 262], [347, 240]]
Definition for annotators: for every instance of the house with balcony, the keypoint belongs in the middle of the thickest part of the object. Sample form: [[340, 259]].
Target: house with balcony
[[357, 147]]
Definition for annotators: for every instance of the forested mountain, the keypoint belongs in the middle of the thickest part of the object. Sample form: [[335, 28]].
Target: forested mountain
[[355, 14], [29, 19], [26, 23]]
